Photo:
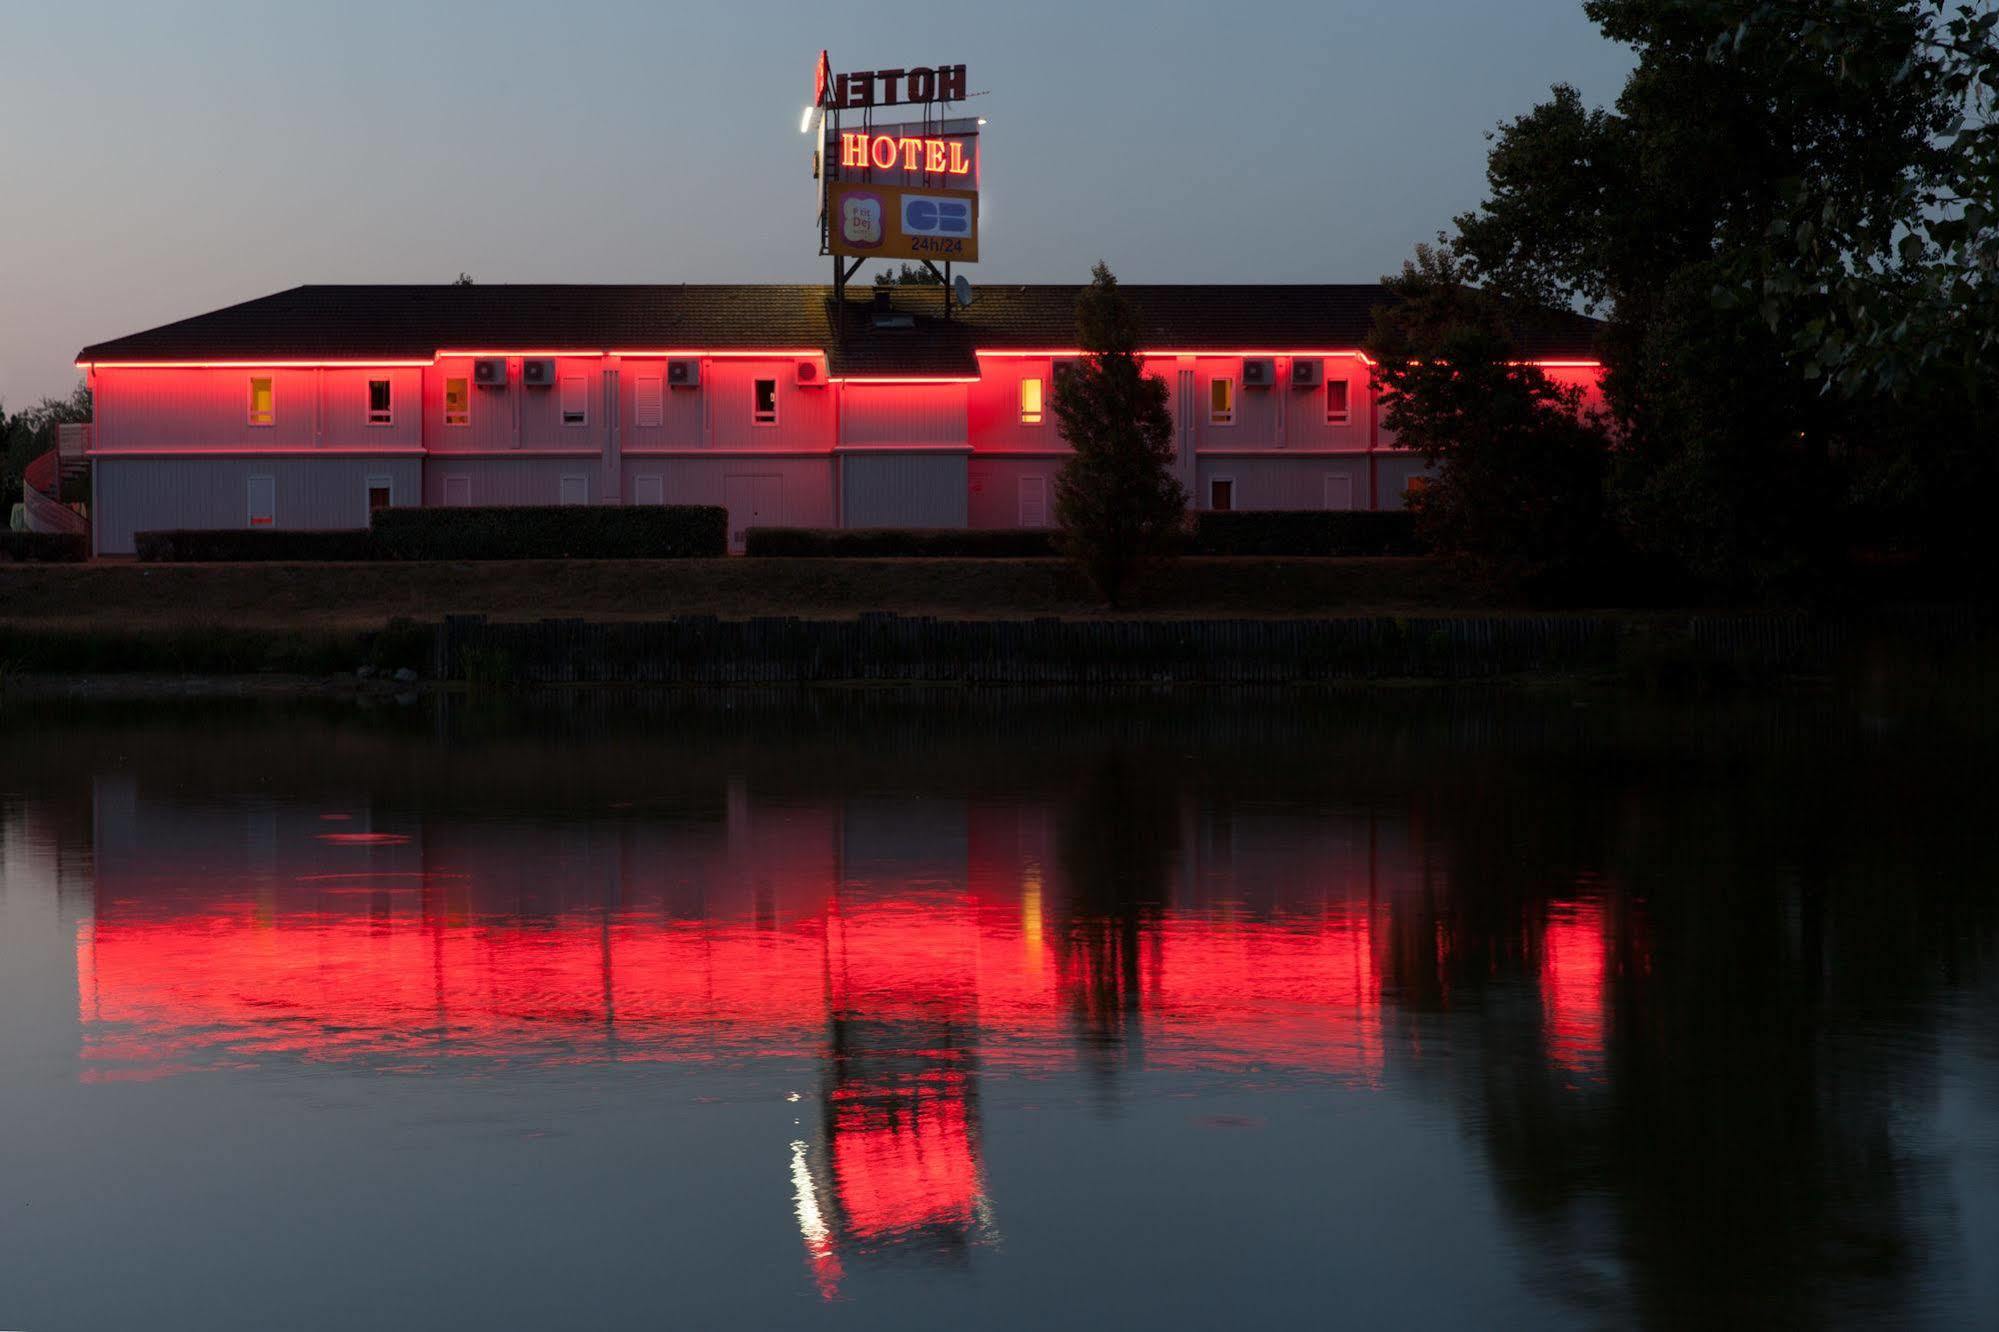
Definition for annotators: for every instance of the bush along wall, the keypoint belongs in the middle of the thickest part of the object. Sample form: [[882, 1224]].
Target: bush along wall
[[44, 547], [639, 532], [899, 542], [230, 545], [1305, 532]]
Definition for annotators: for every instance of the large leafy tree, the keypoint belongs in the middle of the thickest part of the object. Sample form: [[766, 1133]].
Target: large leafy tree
[[1518, 492], [1119, 506], [1728, 457]]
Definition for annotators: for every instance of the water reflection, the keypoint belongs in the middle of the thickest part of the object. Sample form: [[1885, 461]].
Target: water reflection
[[1693, 1021]]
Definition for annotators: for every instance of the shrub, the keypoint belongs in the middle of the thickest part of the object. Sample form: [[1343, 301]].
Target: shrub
[[237, 544], [649, 532], [44, 547], [1305, 532], [899, 542]]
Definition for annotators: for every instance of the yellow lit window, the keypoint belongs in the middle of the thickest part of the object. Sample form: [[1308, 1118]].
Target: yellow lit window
[[263, 402], [1221, 401], [1030, 402], [457, 402]]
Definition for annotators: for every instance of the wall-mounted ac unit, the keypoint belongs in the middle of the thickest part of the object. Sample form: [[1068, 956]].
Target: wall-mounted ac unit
[[684, 373], [1258, 372], [808, 374], [490, 372], [1307, 373], [538, 374]]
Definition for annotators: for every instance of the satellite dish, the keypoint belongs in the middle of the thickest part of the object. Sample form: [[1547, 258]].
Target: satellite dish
[[961, 287]]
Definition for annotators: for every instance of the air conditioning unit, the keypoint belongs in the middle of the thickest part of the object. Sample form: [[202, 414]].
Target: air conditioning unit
[[538, 374], [683, 373], [490, 372], [1259, 372], [1307, 373], [808, 374]]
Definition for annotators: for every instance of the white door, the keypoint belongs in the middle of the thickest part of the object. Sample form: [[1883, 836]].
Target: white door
[[1034, 501], [263, 501], [458, 492], [1339, 492], [752, 501], [575, 490], [648, 490]]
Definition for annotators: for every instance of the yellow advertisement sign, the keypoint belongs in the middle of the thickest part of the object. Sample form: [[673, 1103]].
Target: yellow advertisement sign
[[902, 222]]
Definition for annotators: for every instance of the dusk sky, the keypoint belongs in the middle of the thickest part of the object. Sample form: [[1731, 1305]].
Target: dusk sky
[[165, 159]]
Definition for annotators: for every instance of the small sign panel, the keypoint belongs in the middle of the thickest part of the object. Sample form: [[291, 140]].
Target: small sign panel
[[903, 222]]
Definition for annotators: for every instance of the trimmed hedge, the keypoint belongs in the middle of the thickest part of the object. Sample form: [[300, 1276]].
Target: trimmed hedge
[[900, 543], [553, 532], [1305, 532], [44, 547], [241, 545]]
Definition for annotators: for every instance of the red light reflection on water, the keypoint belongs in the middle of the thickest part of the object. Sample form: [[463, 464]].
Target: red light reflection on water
[[1572, 985]]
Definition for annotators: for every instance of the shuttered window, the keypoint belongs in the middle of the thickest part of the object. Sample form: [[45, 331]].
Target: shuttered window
[[648, 401], [575, 401]]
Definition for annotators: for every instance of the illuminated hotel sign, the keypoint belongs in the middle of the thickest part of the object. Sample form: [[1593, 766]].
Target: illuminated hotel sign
[[895, 191], [889, 152], [889, 87]]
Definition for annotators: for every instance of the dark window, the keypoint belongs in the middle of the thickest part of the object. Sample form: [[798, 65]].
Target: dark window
[[379, 411], [765, 412], [1221, 495], [1336, 402], [378, 498]]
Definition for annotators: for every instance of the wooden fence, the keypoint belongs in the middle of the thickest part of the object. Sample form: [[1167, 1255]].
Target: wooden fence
[[704, 650]]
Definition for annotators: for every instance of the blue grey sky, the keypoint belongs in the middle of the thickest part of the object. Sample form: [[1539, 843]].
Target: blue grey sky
[[162, 159]]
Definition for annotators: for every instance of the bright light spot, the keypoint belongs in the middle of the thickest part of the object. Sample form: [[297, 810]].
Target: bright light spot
[[792, 1096], [982, 120], [805, 122]]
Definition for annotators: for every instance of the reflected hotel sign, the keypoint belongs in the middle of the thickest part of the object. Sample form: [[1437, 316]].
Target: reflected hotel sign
[[908, 190]]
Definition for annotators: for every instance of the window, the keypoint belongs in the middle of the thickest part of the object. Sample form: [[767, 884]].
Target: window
[[1221, 401], [1030, 402], [763, 411], [457, 403], [648, 403], [263, 402], [1337, 412], [381, 493], [648, 490], [575, 490], [1221, 494], [575, 401], [379, 409]]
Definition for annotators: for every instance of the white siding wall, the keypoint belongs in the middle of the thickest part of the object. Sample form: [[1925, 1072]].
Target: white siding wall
[[1282, 483], [903, 414], [132, 495], [904, 489], [191, 408]]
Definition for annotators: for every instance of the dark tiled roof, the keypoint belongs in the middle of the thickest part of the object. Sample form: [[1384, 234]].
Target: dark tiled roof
[[409, 322]]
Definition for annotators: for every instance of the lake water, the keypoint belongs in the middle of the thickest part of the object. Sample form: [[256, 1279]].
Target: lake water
[[1412, 1008]]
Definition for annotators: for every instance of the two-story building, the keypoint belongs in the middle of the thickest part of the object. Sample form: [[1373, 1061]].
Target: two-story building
[[312, 407]]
